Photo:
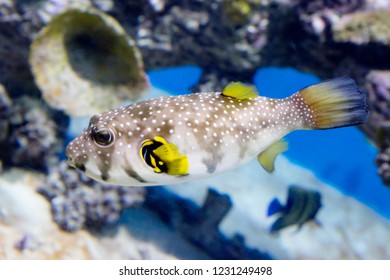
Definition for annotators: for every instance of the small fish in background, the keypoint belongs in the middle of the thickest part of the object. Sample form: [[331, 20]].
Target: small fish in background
[[172, 139], [302, 206]]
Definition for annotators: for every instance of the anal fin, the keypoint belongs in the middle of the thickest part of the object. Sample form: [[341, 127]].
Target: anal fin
[[267, 157]]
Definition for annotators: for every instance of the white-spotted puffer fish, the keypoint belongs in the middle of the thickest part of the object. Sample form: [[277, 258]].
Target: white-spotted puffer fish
[[172, 139]]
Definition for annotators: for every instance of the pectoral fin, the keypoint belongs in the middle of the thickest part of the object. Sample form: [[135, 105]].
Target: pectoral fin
[[177, 164], [267, 157], [164, 157]]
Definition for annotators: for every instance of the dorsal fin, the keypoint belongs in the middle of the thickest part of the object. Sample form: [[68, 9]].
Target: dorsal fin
[[267, 157], [240, 91]]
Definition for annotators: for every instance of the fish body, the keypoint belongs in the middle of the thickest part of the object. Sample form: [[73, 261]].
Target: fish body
[[172, 139], [302, 206]]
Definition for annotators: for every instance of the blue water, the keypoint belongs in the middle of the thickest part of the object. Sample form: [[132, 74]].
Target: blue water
[[341, 157], [176, 80]]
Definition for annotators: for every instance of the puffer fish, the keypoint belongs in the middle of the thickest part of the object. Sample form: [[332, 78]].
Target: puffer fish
[[172, 139], [302, 206]]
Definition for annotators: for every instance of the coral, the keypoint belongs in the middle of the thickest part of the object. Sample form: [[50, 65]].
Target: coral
[[27, 229], [77, 201], [378, 125], [363, 28], [29, 136], [20, 22], [378, 128], [338, 6], [158, 5], [183, 34], [210, 82], [383, 162], [85, 54], [5, 113], [237, 11], [317, 17]]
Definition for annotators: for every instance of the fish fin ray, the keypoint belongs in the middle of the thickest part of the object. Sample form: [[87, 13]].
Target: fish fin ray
[[167, 152], [177, 164], [267, 157], [335, 103], [240, 91]]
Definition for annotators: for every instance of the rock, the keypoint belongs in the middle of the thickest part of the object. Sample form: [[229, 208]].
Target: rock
[[79, 202], [200, 226], [27, 230], [339, 6], [378, 126], [361, 28], [85, 55], [158, 5], [30, 137], [166, 38], [5, 113], [383, 162]]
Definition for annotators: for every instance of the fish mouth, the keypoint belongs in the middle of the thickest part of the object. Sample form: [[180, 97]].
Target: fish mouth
[[71, 163], [70, 160]]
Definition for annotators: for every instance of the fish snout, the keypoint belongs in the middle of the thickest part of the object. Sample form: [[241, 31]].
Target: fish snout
[[70, 156], [74, 159], [70, 153]]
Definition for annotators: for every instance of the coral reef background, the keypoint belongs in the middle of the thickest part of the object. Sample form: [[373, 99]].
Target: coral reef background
[[228, 40]]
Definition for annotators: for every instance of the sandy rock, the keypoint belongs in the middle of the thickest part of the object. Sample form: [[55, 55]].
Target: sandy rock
[[347, 229], [27, 230]]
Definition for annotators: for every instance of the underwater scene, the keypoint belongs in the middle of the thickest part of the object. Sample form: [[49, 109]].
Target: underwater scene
[[194, 129]]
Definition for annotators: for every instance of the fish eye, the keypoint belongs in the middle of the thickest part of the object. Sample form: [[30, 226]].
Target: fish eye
[[103, 137]]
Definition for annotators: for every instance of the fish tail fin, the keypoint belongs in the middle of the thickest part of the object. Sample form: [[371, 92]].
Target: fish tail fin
[[274, 207], [333, 103]]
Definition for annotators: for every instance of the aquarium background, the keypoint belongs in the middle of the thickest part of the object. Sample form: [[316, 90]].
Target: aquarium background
[[62, 61]]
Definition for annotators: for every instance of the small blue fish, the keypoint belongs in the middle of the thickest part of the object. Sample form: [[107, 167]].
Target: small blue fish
[[302, 206]]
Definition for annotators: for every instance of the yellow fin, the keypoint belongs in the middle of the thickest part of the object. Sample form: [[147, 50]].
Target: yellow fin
[[177, 164], [240, 91], [160, 139], [267, 157], [334, 103]]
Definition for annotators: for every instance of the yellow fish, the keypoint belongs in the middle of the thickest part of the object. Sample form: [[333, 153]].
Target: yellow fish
[[172, 139]]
